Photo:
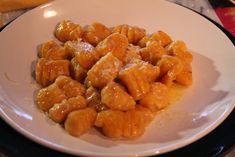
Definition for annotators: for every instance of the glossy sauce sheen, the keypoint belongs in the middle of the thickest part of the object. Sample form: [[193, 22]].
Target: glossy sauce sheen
[[176, 93]]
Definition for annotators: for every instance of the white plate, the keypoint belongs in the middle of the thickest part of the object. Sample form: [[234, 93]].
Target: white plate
[[203, 107]]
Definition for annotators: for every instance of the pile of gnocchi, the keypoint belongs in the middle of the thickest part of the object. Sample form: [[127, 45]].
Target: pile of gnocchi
[[114, 79]]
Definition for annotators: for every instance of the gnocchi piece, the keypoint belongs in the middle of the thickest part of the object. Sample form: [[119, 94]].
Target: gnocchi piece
[[86, 55], [96, 33], [104, 71], [179, 49], [185, 77], [142, 43], [170, 67], [59, 111], [146, 113], [111, 122], [159, 36], [70, 87], [132, 54], [128, 125], [136, 82], [115, 43], [54, 51], [134, 34], [116, 98], [67, 30], [157, 98], [163, 38], [48, 70], [80, 121], [152, 52], [150, 71], [71, 47], [49, 96], [93, 99], [78, 72], [134, 124]]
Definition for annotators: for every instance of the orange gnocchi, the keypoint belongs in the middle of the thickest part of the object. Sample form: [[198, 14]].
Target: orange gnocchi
[[48, 70], [133, 33], [115, 97], [95, 33], [119, 124], [104, 71], [86, 55], [136, 82], [59, 111], [152, 52], [80, 121], [115, 43], [67, 30], [52, 50], [161, 37], [157, 98], [112, 78]]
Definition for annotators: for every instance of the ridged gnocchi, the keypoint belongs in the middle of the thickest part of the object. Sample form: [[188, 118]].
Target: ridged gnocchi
[[115, 43], [136, 82], [48, 70], [152, 52], [54, 51], [59, 111], [119, 124], [104, 71], [113, 78], [95, 33], [115, 97], [161, 37], [67, 30], [133, 33]]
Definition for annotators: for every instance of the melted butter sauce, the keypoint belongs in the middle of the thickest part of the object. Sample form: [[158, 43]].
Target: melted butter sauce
[[175, 93]]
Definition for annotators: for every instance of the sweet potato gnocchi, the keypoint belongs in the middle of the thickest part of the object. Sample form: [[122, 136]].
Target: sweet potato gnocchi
[[112, 78]]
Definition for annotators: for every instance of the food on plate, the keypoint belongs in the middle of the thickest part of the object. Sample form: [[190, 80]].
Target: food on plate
[[67, 30], [115, 43], [134, 34], [95, 33], [52, 50], [49, 96], [152, 52], [48, 70], [59, 111], [77, 71], [115, 97], [113, 79], [80, 121], [161, 37], [119, 124], [134, 79], [157, 98], [63, 87], [104, 71]]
